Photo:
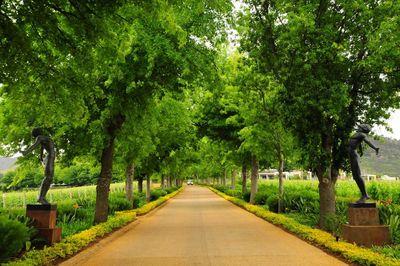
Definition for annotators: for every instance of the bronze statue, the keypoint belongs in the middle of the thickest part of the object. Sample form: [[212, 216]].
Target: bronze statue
[[47, 145], [354, 144]]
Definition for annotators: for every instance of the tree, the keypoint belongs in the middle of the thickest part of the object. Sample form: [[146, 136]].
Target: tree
[[218, 117], [137, 141], [337, 67], [140, 50]]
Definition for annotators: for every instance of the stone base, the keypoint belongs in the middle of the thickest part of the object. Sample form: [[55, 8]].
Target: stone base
[[43, 216], [366, 235], [362, 205], [51, 235], [44, 220], [363, 216]]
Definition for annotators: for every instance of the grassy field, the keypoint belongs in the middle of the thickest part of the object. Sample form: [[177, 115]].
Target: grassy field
[[18, 199]]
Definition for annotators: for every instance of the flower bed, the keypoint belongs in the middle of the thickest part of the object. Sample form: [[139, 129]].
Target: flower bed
[[350, 252], [72, 244]]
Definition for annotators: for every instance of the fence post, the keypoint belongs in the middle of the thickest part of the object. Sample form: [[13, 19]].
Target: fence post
[[4, 200], [24, 199]]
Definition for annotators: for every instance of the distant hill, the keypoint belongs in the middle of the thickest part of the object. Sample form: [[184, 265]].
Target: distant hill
[[388, 160], [7, 163]]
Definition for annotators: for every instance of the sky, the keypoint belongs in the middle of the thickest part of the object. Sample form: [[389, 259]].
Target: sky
[[394, 123]]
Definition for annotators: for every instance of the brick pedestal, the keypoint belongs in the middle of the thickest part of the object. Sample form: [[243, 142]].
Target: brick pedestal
[[363, 227], [44, 219]]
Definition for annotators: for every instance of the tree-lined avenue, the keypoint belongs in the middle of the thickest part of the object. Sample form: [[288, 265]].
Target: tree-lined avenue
[[199, 228]]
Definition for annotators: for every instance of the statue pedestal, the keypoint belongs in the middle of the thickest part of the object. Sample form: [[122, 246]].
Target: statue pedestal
[[364, 228], [44, 219]]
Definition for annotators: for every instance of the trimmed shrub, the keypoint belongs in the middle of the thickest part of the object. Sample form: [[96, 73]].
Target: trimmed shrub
[[156, 193], [14, 235], [261, 197], [68, 210], [246, 196], [73, 244], [349, 251], [272, 203], [170, 189], [118, 202]]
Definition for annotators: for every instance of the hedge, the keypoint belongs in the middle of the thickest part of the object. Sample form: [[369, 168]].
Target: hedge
[[153, 204], [350, 252], [73, 244]]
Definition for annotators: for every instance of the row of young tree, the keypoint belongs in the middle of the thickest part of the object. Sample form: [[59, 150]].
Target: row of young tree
[[104, 78], [157, 87]]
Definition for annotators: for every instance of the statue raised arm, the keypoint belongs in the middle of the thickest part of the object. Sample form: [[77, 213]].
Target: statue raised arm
[[46, 145], [354, 144]]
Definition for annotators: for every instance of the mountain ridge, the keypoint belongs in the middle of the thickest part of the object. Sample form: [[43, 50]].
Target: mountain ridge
[[388, 160]]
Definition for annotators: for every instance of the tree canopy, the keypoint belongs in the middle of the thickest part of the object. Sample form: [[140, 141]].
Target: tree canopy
[[156, 86]]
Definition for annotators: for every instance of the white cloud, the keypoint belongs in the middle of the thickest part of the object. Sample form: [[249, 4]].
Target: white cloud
[[394, 123]]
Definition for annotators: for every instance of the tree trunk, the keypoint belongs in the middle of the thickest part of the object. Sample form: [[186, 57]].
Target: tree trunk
[[129, 182], [327, 200], [254, 179], [140, 184], [327, 177], [162, 181], [148, 188], [244, 179], [224, 178], [233, 179], [103, 183], [280, 170]]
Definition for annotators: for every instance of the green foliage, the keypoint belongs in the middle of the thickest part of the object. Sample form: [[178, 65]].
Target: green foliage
[[391, 251], [332, 69], [246, 196], [390, 215], [272, 203], [301, 203], [118, 202], [28, 176], [14, 214], [107, 78], [77, 175], [75, 216], [69, 210], [14, 235], [349, 251], [157, 193], [384, 191], [306, 219], [73, 226], [334, 223]]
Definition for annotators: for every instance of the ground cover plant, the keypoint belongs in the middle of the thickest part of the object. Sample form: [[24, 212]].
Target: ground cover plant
[[75, 212], [74, 243], [351, 252], [301, 203]]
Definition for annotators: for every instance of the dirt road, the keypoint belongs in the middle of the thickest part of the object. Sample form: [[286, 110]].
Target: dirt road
[[199, 228]]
